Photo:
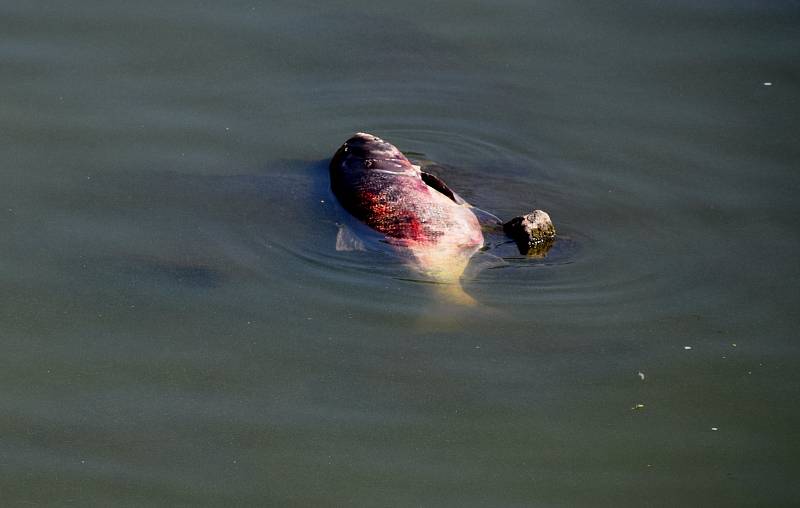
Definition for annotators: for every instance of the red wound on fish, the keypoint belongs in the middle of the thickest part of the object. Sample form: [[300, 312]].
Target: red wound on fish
[[429, 224]]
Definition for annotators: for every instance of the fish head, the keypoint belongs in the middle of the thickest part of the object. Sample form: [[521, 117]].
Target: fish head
[[365, 152]]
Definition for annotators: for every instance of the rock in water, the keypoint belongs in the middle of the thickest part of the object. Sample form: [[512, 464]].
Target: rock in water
[[533, 232]]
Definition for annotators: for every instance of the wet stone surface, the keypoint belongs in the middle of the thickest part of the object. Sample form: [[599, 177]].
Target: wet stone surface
[[534, 232]]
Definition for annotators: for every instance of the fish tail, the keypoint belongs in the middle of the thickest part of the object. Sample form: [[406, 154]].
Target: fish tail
[[454, 293]]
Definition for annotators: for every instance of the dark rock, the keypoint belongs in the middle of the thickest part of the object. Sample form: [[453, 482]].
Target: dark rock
[[534, 232]]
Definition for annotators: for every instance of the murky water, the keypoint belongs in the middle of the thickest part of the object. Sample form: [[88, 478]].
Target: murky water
[[178, 329]]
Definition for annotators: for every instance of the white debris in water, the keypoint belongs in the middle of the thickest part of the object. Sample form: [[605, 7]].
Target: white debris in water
[[638, 406], [715, 429], [687, 347], [767, 83], [641, 375]]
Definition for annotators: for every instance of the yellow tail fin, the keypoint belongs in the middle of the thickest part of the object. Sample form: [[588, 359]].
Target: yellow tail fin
[[453, 293]]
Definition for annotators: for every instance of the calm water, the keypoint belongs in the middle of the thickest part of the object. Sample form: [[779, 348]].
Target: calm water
[[178, 330]]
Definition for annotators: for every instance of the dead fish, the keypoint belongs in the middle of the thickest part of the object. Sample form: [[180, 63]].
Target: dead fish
[[431, 226]]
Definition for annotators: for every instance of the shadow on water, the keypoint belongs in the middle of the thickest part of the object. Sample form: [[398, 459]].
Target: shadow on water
[[166, 230]]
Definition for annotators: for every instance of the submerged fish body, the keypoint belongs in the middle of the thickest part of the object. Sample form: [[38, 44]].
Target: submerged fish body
[[416, 212]]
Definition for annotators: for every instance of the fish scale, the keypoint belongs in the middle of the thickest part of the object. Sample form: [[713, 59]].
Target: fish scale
[[422, 218]]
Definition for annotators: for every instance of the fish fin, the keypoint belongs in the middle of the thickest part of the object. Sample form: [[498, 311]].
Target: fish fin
[[482, 261], [436, 183], [486, 219], [346, 240], [453, 293]]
